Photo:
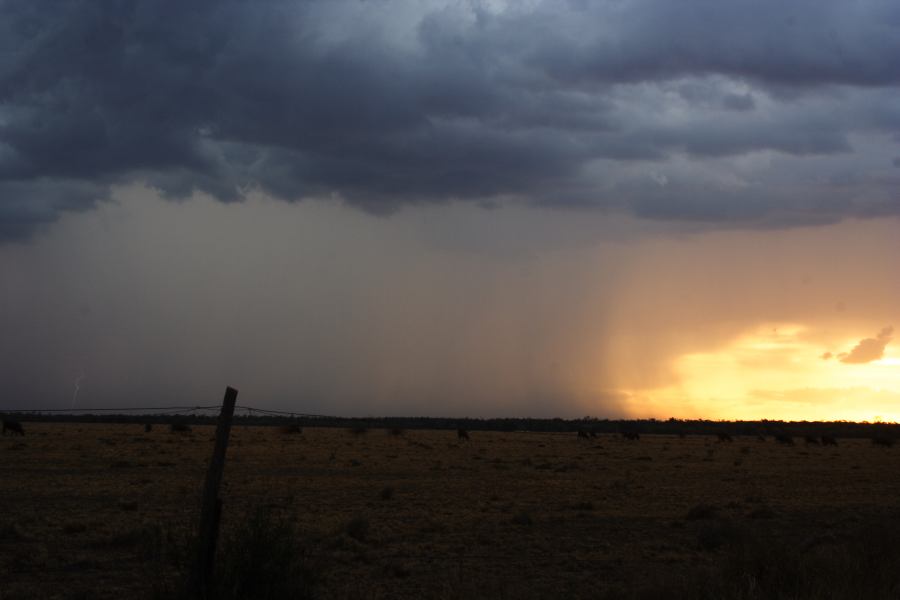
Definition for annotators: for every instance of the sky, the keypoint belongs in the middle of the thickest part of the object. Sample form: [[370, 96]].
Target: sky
[[622, 208]]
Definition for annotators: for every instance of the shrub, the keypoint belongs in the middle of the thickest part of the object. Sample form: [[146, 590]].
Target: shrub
[[701, 511], [713, 535], [524, 519], [358, 528], [263, 558]]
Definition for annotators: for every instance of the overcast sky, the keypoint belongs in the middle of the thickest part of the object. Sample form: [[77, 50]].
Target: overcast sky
[[432, 207]]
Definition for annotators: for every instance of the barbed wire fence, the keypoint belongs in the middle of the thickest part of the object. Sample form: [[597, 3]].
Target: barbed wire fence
[[151, 411]]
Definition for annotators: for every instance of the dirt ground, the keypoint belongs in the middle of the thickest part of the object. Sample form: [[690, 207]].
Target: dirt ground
[[421, 514]]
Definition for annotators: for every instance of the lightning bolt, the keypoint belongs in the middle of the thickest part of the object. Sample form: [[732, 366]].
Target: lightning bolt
[[77, 387]]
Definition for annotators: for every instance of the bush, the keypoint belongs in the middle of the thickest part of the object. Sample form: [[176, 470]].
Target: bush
[[713, 535], [701, 511], [262, 559], [358, 528]]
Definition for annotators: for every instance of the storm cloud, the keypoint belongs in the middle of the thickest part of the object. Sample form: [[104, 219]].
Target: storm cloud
[[749, 112]]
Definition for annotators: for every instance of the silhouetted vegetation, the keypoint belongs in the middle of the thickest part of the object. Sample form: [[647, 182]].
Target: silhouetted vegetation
[[594, 426], [12, 427], [264, 557]]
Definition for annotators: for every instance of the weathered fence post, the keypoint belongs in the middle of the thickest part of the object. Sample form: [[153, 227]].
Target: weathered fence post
[[200, 577]]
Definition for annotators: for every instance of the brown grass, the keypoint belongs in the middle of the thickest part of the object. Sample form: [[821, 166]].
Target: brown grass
[[509, 515]]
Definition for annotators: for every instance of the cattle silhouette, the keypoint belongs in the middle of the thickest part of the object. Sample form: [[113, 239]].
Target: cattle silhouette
[[631, 435], [12, 427], [883, 441], [784, 439], [582, 434], [827, 440], [811, 440], [724, 437], [462, 434]]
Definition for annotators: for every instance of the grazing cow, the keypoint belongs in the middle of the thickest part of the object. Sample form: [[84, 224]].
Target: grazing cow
[[827, 440], [811, 440], [148, 427], [883, 441], [682, 435], [462, 434], [180, 428], [13, 427], [631, 435], [291, 429], [784, 439], [724, 437], [582, 434]]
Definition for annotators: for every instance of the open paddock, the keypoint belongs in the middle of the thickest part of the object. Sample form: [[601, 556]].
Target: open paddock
[[426, 514]]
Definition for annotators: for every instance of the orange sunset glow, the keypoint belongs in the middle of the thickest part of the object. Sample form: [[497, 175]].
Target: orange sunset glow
[[778, 372]]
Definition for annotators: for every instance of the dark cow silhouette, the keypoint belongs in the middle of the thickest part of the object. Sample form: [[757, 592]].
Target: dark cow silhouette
[[294, 428], [811, 440], [180, 428], [827, 440], [462, 434], [13, 427], [724, 437], [883, 441], [582, 434], [784, 439], [631, 435], [148, 427]]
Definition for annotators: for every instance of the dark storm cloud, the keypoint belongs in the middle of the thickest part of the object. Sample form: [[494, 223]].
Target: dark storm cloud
[[389, 102]]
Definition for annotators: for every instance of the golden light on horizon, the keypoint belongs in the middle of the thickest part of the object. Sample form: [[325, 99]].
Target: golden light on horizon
[[780, 371]]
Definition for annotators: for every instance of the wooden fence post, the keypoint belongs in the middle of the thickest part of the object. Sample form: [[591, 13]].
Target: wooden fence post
[[200, 577]]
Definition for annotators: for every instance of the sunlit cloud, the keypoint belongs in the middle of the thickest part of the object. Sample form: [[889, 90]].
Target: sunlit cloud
[[868, 349], [777, 371]]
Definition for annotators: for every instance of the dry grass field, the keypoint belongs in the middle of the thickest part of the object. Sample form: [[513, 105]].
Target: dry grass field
[[103, 511]]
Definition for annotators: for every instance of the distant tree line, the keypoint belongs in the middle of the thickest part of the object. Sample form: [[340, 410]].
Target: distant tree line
[[765, 427]]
